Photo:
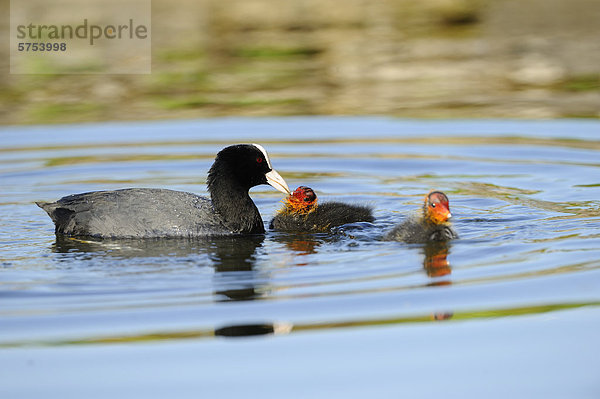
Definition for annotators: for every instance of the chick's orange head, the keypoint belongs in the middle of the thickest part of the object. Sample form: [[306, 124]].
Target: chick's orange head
[[302, 199], [437, 207]]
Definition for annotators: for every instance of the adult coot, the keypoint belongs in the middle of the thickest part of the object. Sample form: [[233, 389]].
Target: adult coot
[[302, 213], [151, 212], [432, 225]]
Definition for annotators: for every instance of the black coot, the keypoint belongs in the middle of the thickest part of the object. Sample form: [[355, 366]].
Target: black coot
[[151, 212], [301, 213], [432, 225]]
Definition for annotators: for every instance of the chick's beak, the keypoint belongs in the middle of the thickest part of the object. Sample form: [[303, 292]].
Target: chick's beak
[[277, 182], [440, 214], [444, 214]]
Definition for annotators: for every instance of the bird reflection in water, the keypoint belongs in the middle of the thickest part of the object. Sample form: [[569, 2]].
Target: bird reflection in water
[[235, 277], [246, 330], [235, 252], [436, 262], [300, 243], [306, 243], [436, 265], [232, 257], [305, 246], [237, 280]]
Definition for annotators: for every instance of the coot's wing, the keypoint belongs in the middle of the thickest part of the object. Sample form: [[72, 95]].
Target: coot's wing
[[135, 213]]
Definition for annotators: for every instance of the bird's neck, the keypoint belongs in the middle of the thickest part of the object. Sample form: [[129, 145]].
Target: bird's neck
[[298, 207], [432, 225], [428, 220], [235, 206]]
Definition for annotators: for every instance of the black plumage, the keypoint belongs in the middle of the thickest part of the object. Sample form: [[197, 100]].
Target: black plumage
[[432, 225], [151, 212], [301, 213]]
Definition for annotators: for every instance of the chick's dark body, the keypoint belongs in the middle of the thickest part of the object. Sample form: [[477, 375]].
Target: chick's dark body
[[418, 230], [322, 218]]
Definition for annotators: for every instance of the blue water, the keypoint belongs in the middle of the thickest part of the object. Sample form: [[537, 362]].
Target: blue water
[[510, 308]]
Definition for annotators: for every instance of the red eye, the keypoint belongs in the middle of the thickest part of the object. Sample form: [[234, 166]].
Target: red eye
[[259, 160]]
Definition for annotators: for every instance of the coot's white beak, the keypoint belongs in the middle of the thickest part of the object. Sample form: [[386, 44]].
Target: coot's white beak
[[277, 182]]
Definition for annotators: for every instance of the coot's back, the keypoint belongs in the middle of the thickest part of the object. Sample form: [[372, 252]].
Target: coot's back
[[135, 213]]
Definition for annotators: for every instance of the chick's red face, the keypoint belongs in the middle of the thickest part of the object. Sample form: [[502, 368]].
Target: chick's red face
[[304, 194], [438, 207], [302, 199]]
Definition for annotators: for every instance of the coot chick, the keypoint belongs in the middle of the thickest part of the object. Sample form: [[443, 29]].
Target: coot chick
[[151, 212], [301, 213], [432, 225]]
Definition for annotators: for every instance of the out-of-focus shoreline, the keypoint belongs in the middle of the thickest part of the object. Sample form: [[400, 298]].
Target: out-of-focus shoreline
[[406, 58]]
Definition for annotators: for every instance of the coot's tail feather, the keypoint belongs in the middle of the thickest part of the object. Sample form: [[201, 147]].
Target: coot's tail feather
[[60, 216], [49, 207]]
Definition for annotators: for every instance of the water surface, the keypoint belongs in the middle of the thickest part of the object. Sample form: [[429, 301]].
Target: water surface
[[510, 308]]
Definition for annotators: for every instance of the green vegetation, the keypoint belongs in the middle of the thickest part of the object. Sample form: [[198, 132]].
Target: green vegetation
[[581, 83], [175, 55], [196, 102], [174, 80], [273, 52], [65, 113]]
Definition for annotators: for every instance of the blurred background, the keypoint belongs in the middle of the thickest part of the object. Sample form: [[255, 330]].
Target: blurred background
[[405, 58]]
